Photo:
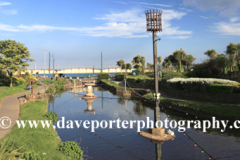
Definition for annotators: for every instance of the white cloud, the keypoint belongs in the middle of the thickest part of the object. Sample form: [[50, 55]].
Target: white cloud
[[4, 3], [128, 24], [180, 37], [204, 17], [227, 28], [234, 19], [4, 27], [151, 4], [224, 7], [120, 2], [189, 10], [10, 12]]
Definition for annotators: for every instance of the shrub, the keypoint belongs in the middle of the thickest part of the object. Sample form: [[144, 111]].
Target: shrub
[[31, 156], [50, 90], [203, 85], [171, 74], [7, 153], [72, 149], [53, 116], [201, 80], [103, 76], [131, 80], [18, 81], [59, 84], [121, 77]]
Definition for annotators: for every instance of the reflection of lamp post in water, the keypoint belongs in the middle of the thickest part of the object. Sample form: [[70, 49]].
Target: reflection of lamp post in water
[[89, 98], [89, 103]]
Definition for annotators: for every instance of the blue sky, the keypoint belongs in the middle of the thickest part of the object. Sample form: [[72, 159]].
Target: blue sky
[[77, 31]]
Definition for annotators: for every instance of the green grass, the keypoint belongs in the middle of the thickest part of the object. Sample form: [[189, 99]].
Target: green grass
[[140, 77], [113, 84], [224, 110], [7, 91], [39, 140]]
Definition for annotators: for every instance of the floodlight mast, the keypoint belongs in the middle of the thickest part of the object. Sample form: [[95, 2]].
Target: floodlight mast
[[154, 25]]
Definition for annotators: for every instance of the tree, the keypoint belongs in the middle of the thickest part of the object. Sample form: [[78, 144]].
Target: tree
[[14, 56], [179, 55], [124, 66], [232, 61], [129, 66], [222, 61], [211, 53], [231, 49], [167, 62], [120, 63], [159, 59], [139, 63], [189, 60]]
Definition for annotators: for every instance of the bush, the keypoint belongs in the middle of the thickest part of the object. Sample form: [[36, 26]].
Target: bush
[[53, 116], [18, 81], [121, 77], [59, 84], [50, 90], [72, 149], [103, 76], [170, 74], [132, 80], [203, 85], [31, 156]]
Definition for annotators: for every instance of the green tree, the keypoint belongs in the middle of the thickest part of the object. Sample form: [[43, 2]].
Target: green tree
[[124, 66], [120, 63], [211, 53], [189, 60], [139, 63], [14, 56], [179, 55], [159, 59], [167, 62], [231, 49], [149, 65], [231, 52], [129, 66], [222, 61]]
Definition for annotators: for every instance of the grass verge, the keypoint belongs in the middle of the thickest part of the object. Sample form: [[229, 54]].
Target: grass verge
[[7, 91], [41, 141], [224, 110]]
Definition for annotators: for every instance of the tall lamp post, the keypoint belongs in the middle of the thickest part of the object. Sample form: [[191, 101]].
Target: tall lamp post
[[53, 62], [101, 63], [49, 63], [44, 61], [154, 25]]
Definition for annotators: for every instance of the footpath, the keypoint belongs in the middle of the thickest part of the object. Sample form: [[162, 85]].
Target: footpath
[[10, 107]]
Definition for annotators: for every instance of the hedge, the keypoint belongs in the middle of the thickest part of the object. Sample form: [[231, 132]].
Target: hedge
[[103, 76], [203, 85], [121, 76]]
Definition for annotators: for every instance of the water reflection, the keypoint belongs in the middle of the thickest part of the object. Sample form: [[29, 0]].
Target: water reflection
[[131, 145], [139, 109], [89, 106]]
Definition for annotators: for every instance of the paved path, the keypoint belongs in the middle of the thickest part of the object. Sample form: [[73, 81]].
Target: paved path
[[10, 107]]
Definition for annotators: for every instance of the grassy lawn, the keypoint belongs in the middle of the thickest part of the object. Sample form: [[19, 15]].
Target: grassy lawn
[[225, 110], [111, 83], [43, 141], [144, 76], [7, 91]]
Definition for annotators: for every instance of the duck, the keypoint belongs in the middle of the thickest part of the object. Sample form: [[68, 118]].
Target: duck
[[169, 132]]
